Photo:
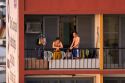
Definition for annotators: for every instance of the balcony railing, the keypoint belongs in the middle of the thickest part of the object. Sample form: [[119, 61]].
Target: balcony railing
[[88, 59], [2, 60], [114, 58], [2, 64]]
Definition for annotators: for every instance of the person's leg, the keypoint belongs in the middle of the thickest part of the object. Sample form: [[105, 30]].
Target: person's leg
[[59, 55], [74, 53], [39, 52], [42, 53], [77, 52], [54, 55]]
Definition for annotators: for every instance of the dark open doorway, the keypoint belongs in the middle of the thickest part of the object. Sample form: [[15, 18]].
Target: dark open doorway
[[67, 27]]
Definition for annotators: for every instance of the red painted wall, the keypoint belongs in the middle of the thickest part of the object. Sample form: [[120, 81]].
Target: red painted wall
[[74, 6]]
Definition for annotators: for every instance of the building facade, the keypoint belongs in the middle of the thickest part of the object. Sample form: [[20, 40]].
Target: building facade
[[99, 23]]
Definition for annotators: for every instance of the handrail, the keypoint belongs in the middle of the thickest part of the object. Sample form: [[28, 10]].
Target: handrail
[[114, 58], [61, 48], [114, 48]]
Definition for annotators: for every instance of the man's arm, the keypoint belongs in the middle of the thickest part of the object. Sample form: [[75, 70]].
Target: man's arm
[[72, 44], [53, 46], [61, 45]]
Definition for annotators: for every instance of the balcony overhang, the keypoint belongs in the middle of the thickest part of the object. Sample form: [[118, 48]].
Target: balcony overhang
[[74, 7], [61, 72], [73, 72]]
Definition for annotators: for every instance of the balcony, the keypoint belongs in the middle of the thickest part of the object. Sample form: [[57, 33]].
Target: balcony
[[114, 58], [61, 26], [88, 60]]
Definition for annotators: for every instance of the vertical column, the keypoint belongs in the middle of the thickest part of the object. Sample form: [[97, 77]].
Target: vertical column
[[99, 37], [99, 78], [99, 43], [21, 41]]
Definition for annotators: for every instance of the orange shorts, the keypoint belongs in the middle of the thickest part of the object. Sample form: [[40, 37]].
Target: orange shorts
[[57, 55]]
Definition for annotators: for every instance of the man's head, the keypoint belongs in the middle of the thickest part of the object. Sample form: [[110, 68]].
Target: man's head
[[75, 34], [57, 39]]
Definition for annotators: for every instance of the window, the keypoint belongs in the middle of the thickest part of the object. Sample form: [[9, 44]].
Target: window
[[33, 27], [111, 31], [114, 80], [111, 39]]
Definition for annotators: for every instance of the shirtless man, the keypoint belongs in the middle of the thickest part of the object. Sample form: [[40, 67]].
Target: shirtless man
[[57, 44], [75, 45]]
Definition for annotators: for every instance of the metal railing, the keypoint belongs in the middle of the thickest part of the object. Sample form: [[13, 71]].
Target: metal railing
[[87, 59], [114, 58], [2, 64], [2, 60]]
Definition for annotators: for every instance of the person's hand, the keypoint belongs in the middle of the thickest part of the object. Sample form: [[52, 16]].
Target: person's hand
[[70, 48], [57, 49]]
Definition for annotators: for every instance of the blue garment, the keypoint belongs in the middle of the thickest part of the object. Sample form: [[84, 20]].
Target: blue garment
[[75, 53]]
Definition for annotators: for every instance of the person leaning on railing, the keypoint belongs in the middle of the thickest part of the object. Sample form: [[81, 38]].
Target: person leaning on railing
[[57, 45], [75, 45], [41, 43]]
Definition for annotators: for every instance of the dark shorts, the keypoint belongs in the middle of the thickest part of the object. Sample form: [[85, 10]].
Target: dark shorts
[[75, 53]]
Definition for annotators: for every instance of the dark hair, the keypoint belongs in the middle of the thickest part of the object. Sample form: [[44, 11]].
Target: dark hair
[[75, 32], [57, 38]]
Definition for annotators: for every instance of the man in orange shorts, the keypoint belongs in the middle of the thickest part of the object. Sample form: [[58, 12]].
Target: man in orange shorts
[[57, 45]]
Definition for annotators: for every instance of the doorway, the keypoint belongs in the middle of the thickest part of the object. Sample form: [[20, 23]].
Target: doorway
[[67, 27]]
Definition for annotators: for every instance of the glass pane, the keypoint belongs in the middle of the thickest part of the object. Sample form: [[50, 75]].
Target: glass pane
[[53, 81], [122, 37], [83, 81], [123, 81], [111, 24], [111, 31], [34, 27], [33, 81], [122, 32], [111, 40], [86, 31], [110, 81], [44, 81], [67, 81]]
